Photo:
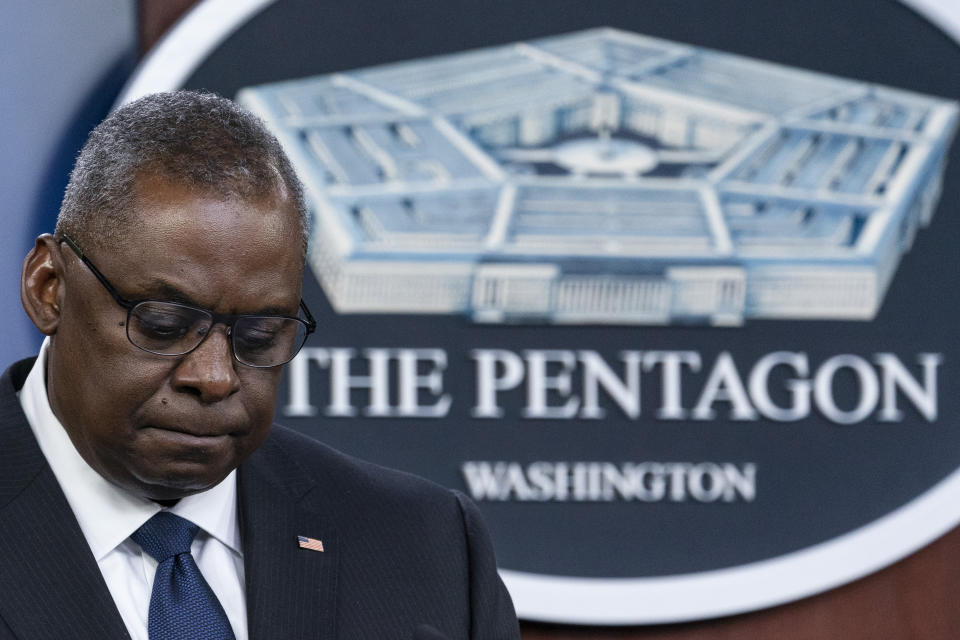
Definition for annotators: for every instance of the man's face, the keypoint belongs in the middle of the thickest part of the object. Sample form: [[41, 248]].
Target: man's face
[[164, 427]]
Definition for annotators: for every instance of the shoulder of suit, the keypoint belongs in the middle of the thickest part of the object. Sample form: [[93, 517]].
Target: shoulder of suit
[[16, 374], [335, 471]]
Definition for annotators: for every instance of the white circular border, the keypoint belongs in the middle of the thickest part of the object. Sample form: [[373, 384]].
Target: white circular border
[[187, 44], [625, 601]]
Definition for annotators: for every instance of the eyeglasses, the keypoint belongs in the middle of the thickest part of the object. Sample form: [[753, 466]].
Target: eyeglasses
[[174, 329]]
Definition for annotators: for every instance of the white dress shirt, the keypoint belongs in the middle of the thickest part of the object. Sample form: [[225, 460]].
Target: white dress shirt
[[108, 515]]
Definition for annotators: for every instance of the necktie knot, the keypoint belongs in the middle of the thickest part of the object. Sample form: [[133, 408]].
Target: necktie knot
[[165, 535], [182, 605]]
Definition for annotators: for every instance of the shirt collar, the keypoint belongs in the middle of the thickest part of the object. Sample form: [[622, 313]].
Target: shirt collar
[[108, 514]]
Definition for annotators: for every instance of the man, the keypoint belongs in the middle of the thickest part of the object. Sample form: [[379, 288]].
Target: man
[[143, 492]]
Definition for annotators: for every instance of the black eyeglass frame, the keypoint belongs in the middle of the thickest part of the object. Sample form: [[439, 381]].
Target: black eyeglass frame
[[229, 320]]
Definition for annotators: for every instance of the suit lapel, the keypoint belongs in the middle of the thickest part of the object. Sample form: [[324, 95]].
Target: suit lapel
[[51, 584], [53, 588], [291, 592]]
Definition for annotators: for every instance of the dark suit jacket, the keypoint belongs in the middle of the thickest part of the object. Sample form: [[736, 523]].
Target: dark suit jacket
[[399, 551]]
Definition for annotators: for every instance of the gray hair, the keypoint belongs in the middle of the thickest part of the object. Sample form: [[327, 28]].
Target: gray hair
[[198, 140]]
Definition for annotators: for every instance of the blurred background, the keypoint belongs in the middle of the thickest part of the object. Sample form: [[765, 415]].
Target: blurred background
[[64, 64]]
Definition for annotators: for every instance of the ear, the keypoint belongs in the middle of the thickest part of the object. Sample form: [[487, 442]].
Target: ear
[[42, 287]]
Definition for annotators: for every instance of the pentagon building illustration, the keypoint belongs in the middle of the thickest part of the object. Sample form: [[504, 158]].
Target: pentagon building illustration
[[608, 177]]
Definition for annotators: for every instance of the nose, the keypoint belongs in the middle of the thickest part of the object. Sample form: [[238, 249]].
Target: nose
[[208, 371]]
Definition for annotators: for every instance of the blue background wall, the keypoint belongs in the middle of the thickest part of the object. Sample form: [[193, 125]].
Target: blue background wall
[[62, 65]]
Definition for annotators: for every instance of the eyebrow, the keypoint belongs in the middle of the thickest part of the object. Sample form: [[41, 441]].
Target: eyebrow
[[160, 290], [165, 292]]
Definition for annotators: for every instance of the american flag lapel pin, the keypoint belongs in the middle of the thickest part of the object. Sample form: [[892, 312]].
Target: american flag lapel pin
[[310, 543]]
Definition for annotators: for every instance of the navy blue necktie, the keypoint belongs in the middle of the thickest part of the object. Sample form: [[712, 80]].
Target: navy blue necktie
[[182, 605]]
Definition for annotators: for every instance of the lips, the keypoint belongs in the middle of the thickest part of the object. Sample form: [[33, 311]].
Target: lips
[[174, 429], [190, 434], [198, 424]]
